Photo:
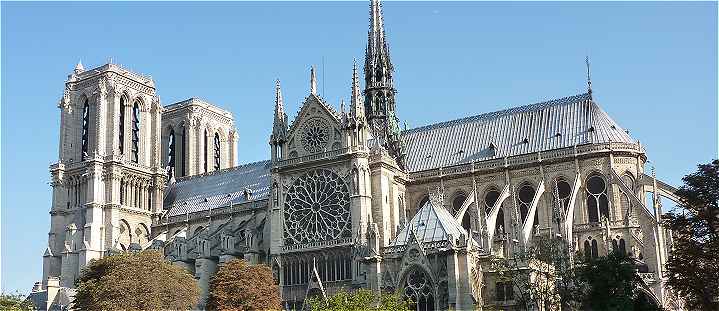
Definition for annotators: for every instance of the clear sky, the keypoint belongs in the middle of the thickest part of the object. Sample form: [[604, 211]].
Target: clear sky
[[654, 70]]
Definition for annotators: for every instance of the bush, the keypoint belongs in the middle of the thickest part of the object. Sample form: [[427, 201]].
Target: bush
[[361, 299], [135, 281], [238, 286]]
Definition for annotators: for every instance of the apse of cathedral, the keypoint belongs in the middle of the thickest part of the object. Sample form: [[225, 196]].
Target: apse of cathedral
[[346, 199]]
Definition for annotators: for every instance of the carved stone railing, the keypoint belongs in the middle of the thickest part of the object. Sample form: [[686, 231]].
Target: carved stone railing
[[648, 278], [312, 157], [317, 245], [519, 160], [587, 226]]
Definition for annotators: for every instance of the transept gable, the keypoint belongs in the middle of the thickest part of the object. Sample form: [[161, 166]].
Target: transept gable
[[315, 129]]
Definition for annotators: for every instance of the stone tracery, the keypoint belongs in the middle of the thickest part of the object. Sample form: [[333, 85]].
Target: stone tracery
[[317, 208]]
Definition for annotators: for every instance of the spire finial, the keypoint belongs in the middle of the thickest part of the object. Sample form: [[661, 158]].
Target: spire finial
[[79, 67], [589, 77], [313, 81], [279, 103]]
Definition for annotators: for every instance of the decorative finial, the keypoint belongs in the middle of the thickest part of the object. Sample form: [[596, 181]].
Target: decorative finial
[[342, 106], [589, 78], [79, 68], [279, 105], [313, 81]]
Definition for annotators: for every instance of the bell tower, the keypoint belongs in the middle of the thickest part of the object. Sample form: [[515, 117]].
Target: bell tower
[[108, 182]]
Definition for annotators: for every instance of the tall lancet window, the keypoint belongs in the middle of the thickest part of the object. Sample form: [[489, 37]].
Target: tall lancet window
[[182, 151], [171, 152], [205, 152], [135, 133], [217, 151], [85, 128], [121, 127]]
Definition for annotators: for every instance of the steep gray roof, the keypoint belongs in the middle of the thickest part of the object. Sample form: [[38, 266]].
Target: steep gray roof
[[218, 189], [555, 124], [430, 224]]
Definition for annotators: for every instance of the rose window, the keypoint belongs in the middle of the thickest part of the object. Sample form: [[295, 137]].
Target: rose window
[[315, 135], [317, 208]]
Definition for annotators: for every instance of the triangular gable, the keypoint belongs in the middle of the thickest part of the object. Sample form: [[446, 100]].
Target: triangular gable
[[313, 101]]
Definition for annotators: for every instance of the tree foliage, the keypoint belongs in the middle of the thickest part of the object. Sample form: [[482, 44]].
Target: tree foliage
[[544, 277], [135, 281], [540, 274], [361, 299], [608, 283], [693, 265], [15, 302], [238, 286]]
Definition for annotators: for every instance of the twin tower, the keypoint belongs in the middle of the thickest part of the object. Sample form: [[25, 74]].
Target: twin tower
[[118, 149]]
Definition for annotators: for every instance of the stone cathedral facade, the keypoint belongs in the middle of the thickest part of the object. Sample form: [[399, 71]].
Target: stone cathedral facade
[[346, 199]]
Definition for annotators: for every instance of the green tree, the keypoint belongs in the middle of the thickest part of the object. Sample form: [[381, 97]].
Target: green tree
[[238, 286], [693, 265], [15, 302], [361, 299], [541, 274], [135, 281], [608, 283]]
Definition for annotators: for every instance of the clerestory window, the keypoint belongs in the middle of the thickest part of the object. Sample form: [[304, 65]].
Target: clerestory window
[[597, 201]]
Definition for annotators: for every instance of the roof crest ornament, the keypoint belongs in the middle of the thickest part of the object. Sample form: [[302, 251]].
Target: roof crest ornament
[[589, 78], [313, 81]]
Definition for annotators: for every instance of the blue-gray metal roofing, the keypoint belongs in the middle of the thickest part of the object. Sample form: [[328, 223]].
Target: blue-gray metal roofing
[[430, 224], [218, 189], [468, 139]]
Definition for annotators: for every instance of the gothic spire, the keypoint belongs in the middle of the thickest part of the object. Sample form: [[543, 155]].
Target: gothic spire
[[379, 100], [378, 67], [356, 106], [279, 104], [313, 81], [279, 128]]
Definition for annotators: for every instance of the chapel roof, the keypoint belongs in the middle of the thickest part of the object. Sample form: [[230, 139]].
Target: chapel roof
[[430, 224], [220, 188], [554, 124]]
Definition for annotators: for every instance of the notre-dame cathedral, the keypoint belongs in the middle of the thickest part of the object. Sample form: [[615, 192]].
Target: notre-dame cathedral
[[347, 199]]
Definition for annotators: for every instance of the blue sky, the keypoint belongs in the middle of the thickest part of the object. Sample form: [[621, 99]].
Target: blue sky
[[654, 70]]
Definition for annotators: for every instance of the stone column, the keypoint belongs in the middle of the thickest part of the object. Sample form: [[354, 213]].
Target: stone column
[[205, 268]]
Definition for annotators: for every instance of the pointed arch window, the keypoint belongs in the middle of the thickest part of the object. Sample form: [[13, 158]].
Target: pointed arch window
[[204, 154], [121, 127], [171, 152], [85, 128], [183, 144], [217, 151], [524, 198], [490, 199], [597, 201], [563, 191], [619, 246], [135, 133], [591, 249]]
